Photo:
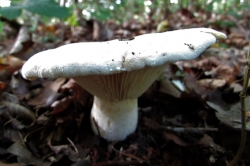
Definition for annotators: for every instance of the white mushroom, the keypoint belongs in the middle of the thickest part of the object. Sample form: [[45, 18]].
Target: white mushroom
[[117, 72]]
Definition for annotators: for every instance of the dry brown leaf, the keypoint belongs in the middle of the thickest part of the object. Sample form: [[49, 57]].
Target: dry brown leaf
[[10, 97], [22, 44], [14, 63], [48, 95], [168, 87], [65, 149], [2, 86], [212, 83], [3, 66], [10, 65], [172, 137], [42, 119], [25, 157], [208, 141], [80, 94], [18, 115], [236, 39], [59, 148], [83, 162], [231, 116], [227, 72], [13, 135], [208, 63], [60, 105], [19, 86], [237, 88], [192, 86], [176, 120], [13, 164]]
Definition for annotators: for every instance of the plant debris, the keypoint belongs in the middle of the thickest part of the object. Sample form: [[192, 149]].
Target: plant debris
[[189, 116]]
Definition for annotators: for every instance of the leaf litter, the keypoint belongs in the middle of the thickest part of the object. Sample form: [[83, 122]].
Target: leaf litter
[[189, 116]]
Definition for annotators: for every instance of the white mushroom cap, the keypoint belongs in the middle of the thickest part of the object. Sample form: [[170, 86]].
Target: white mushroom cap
[[117, 72], [115, 56]]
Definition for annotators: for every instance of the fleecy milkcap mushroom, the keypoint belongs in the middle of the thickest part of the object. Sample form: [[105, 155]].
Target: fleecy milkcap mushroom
[[118, 72]]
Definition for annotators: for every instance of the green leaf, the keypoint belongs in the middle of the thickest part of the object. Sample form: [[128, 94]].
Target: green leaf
[[47, 8], [11, 12], [1, 29], [102, 14], [72, 20]]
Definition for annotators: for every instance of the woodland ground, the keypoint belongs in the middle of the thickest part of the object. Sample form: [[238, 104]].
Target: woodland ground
[[189, 116]]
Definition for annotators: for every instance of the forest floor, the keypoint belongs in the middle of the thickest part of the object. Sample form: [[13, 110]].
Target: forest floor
[[189, 116]]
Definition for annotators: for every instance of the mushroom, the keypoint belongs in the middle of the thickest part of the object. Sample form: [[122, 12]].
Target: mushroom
[[117, 72]]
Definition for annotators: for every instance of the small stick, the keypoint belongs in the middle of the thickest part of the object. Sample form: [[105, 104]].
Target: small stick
[[72, 144], [183, 129], [128, 155], [243, 112], [188, 129]]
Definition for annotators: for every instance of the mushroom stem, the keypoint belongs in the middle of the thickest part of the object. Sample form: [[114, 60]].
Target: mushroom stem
[[114, 120]]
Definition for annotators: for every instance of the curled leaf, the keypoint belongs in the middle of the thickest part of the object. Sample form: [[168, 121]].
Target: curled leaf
[[48, 95], [17, 114], [60, 106], [25, 157]]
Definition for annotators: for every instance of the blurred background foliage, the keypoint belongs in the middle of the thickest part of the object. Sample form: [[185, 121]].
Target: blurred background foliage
[[116, 10]]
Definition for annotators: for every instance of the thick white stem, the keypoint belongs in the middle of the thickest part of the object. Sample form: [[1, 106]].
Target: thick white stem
[[114, 120]]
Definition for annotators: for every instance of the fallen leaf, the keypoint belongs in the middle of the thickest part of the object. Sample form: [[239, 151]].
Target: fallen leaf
[[237, 88], [19, 86], [212, 83], [80, 95], [236, 39], [25, 157], [18, 115], [167, 86], [9, 65], [22, 44], [65, 149], [232, 115], [14, 63], [59, 148], [83, 162], [172, 137], [3, 66], [60, 105], [192, 85], [42, 119], [176, 120], [10, 97], [13, 135], [13, 164], [208, 141], [48, 95], [2, 86]]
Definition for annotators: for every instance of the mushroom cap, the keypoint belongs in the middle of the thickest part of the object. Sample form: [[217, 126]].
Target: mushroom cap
[[115, 56]]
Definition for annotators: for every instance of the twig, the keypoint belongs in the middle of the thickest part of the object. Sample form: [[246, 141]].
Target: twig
[[129, 155], [25, 138], [72, 144], [114, 163], [243, 112], [182, 129], [188, 129]]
